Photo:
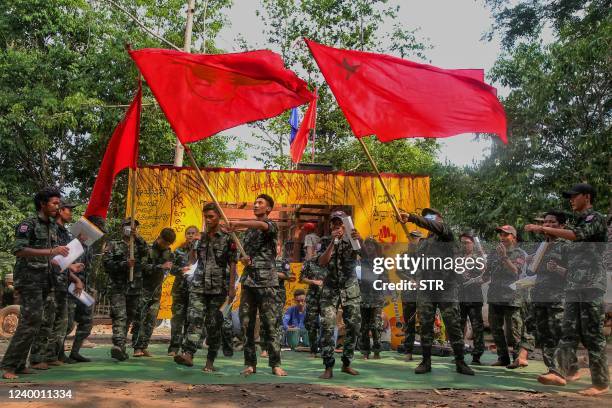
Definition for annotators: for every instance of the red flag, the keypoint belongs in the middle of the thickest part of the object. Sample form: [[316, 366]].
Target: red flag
[[394, 98], [204, 94], [121, 152], [301, 138]]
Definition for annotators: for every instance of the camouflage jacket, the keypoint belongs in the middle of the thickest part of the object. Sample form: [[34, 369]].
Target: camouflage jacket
[[215, 255], [471, 293], [371, 297], [585, 257], [550, 286], [260, 246], [313, 271], [152, 273], [36, 234], [500, 290], [283, 266], [115, 261], [184, 255], [341, 267]]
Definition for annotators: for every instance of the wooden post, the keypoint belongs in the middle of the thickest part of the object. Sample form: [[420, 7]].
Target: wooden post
[[133, 178], [384, 186], [214, 198]]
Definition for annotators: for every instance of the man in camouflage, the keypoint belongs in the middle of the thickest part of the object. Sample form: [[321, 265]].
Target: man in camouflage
[[184, 256], [548, 295], [438, 244], [409, 304], [372, 301], [158, 263], [470, 296], [259, 286], [340, 289], [209, 289], [504, 267], [313, 275], [46, 347], [583, 317], [124, 294], [283, 269], [36, 242]]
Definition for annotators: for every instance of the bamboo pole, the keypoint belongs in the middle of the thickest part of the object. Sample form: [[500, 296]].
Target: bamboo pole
[[133, 178], [384, 186], [214, 198]]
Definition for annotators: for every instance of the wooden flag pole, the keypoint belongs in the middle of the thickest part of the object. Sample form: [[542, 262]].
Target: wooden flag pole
[[133, 178], [214, 198], [384, 186]]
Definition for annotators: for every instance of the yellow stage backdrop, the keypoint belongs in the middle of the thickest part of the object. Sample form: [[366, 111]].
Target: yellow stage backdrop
[[173, 197]]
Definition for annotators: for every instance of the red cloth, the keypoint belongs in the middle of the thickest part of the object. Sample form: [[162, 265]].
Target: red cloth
[[202, 95], [394, 98], [301, 137], [121, 152]]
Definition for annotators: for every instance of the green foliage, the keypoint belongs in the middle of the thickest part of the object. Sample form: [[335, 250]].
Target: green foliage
[[344, 24]]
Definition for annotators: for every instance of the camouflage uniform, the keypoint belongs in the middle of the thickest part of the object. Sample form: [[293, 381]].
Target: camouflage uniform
[[548, 297], [583, 319], [280, 299], [124, 295], [152, 279], [470, 296], [208, 291], [180, 295], [77, 311], [340, 288], [409, 310], [370, 308], [258, 294], [313, 271], [504, 304], [438, 244], [33, 282]]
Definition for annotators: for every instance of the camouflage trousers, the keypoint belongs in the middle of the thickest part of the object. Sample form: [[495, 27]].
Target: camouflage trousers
[[331, 299], [44, 341], [55, 346], [280, 298], [227, 336], [203, 312], [178, 322], [549, 320], [262, 300], [528, 334], [371, 322], [148, 310], [311, 320], [583, 322], [124, 312], [509, 317], [83, 317], [409, 310], [473, 311], [32, 301], [426, 308]]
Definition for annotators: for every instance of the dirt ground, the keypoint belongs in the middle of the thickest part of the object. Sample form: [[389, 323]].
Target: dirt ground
[[98, 394]]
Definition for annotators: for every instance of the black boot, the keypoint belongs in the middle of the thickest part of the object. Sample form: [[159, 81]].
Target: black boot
[[79, 358], [463, 368], [502, 360], [425, 365]]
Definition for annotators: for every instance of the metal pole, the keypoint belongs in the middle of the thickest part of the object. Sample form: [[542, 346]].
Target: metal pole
[[179, 150]]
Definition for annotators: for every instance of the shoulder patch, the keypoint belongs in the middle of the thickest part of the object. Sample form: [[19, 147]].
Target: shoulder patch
[[23, 227], [589, 217]]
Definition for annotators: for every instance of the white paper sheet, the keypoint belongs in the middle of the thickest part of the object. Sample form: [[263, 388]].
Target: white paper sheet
[[76, 250], [84, 297], [348, 228]]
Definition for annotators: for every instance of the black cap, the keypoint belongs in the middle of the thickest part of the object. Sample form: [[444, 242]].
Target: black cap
[[337, 214], [430, 211], [581, 188], [66, 204], [128, 221]]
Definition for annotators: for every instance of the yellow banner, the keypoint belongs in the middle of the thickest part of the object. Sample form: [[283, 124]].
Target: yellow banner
[[173, 197]]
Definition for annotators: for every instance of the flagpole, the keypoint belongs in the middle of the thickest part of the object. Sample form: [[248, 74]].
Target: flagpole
[[214, 198], [314, 129], [133, 177], [384, 186]]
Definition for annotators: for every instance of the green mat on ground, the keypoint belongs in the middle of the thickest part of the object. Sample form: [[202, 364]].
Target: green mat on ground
[[390, 372]]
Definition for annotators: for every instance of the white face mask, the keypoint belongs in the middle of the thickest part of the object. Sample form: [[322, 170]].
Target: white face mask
[[127, 231], [431, 217]]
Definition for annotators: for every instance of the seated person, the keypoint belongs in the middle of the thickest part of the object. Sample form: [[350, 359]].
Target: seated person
[[293, 320]]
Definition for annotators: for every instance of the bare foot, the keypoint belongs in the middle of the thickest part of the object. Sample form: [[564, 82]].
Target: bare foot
[[171, 353], [40, 366], [594, 391], [279, 372], [551, 379], [573, 377], [9, 375], [349, 370], [138, 353], [248, 371], [366, 357], [209, 367], [518, 363], [264, 354], [327, 374], [25, 371]]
